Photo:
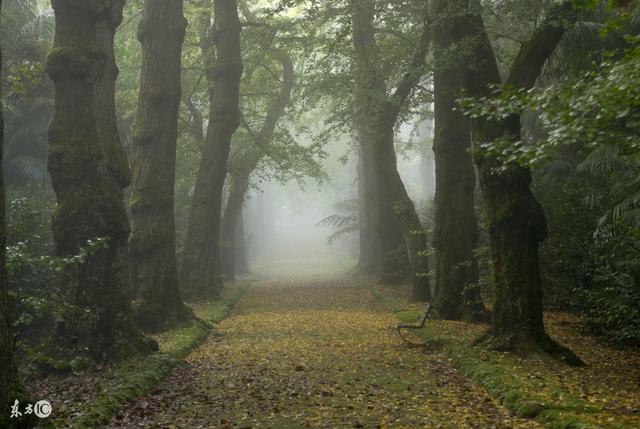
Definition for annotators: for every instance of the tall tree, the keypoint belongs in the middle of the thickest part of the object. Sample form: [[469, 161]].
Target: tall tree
[[381, 111], [89, 201], [200, 265], [152, 244], [455, 234], [8, 373], [248, 163], [516, 220]]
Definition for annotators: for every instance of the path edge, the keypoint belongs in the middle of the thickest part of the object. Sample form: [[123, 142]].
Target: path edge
[[143, 377]]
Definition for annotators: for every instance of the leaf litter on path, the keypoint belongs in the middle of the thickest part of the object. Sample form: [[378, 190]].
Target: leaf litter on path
[[314, 353]]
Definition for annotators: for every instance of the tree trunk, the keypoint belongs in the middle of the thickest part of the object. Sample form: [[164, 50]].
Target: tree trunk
[[89, 202], [415, 236], [115, 157], [516, 220], [152, 244], [240, 260], [237, 191], [375, 120], [455, 233], [200, 265], [379, 226]]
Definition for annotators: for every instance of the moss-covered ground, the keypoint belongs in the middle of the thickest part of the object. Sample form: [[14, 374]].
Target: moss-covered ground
[[91, 398]]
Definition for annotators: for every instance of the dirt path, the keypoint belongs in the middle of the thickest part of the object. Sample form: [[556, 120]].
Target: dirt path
[[314, 353]]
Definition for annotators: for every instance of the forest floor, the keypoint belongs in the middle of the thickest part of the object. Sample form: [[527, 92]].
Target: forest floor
[[605, 393], [302, 347], [314, 352]]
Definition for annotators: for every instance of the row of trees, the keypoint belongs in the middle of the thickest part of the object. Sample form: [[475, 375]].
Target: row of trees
[[444, 52], [384, 85], [119, 264], [366, 67]]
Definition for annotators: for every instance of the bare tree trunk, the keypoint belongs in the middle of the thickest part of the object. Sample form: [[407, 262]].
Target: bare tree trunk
[[152, 245], [516, 220], [200, 266], [455, 233], [89, 202]]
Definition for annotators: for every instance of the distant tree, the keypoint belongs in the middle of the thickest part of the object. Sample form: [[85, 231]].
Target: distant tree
[[152, 245], [200, 269], [89, 200]]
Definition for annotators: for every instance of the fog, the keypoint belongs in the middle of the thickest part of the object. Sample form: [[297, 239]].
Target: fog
[[282, 230]]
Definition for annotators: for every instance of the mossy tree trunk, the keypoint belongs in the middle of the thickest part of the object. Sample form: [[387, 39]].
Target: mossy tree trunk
[[89, 201], [115, 158], [152, 244], [200, 265], [517, 222], [241, 172], [455, 233], [380, 112]]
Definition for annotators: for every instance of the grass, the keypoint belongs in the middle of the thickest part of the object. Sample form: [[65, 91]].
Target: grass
[[522, 385], [136, 377]]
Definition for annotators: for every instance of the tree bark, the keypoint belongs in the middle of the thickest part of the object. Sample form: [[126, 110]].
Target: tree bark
[[200, 266], [415, 236], [517, 222], [89, 202], [380, 227], [115, 157], [455, 233], [381, 112], [152, 244]]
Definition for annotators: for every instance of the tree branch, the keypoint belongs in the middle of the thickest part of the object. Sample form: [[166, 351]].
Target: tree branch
[[416, 68], [535, 52]]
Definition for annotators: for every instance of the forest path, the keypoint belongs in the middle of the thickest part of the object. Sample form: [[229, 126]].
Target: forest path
[[314, 352]]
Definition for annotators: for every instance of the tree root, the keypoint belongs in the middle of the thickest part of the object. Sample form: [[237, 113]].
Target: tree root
[[527, 344]]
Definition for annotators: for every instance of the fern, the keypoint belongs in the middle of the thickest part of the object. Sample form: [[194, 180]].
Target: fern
[[347, 219]]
